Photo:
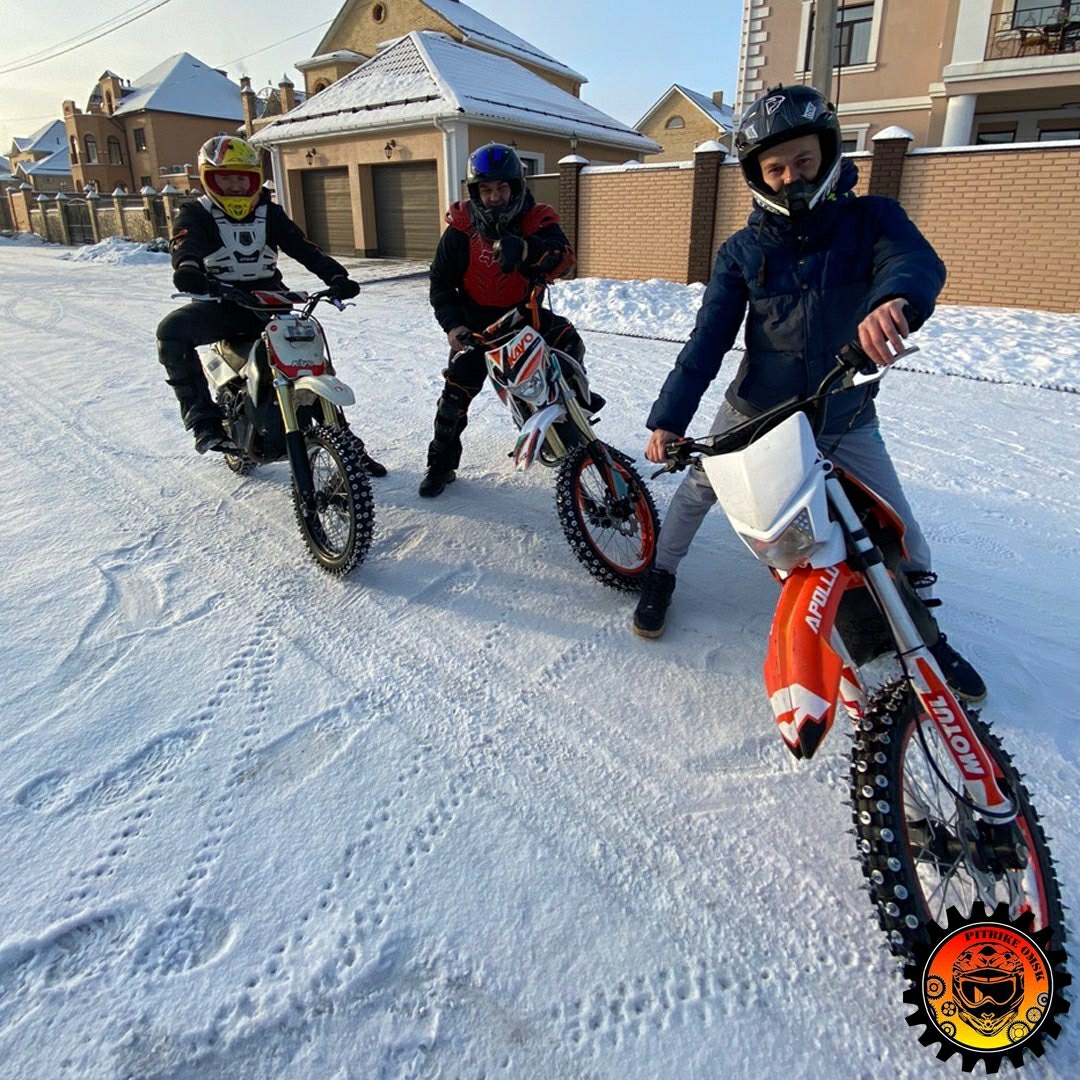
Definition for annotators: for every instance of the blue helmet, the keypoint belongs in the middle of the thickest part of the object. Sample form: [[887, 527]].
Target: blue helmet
[[496, 161]]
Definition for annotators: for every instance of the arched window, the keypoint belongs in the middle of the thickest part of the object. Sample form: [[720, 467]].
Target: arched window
[[74, 148], [91, 150], [674, 123], [320, 85], [116, 155]]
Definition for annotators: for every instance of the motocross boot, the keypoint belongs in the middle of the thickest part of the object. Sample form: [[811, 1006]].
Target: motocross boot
[[444, 451], [200, 414], [367, 462]]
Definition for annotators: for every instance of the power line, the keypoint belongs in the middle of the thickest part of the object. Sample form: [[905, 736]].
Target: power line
[[267, 48], [56, 50]]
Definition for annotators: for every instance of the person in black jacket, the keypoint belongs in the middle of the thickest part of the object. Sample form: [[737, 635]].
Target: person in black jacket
[[232, 233], [815, 268], [497, 241]]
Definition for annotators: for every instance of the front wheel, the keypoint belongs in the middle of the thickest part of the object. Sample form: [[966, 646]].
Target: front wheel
[[614, 537], [338, 531], [924, 847]]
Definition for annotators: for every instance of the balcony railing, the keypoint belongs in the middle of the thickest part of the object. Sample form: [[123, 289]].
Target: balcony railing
[[1045, 31]]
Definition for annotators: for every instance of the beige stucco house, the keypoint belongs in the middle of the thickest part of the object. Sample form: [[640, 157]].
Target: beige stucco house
[[951, 72]]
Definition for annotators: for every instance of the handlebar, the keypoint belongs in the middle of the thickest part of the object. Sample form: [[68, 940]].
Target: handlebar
[[276, 300], [852, 368]]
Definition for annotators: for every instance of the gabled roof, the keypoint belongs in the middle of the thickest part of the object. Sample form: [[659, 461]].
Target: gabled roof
[[426, 76], [477, 30], [721, 115], [57, 163], [45, 140], [183, 84], [5, 168]]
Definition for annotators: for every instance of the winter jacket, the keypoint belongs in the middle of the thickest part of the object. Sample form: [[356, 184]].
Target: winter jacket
[[467, 288], [196, 236], [804, 287]]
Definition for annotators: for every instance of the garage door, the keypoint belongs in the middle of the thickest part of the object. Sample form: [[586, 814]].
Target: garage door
[[407, 211], [328, 210]]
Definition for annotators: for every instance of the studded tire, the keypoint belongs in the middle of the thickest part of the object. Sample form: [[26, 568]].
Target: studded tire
[[339, 533], [614, 542], [915, 872]]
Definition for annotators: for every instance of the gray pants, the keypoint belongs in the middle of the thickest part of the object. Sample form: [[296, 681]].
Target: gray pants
[[861, 452]]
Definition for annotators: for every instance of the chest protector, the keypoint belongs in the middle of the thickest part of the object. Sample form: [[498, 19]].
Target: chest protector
[[484, 282], [244, 254]]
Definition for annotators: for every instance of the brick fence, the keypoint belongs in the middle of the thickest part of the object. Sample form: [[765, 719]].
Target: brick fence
[[1002, 217]]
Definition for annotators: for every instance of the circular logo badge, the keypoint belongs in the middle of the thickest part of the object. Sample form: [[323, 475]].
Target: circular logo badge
[[987, 986]]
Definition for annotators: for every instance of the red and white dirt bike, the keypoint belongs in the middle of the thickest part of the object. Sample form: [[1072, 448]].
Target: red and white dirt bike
[[606, 512], [281, 400], [941, 815]]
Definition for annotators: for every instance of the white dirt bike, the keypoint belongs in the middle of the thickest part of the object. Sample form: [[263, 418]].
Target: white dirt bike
[[607, 515], [281, 400], [941, 815]]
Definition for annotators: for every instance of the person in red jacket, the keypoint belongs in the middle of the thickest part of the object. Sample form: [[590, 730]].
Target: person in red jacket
[[232, 233], [497, 242]]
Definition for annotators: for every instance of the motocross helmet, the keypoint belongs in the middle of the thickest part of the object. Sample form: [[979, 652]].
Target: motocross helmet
[[495, 161], [226, 155], [988, 985], [783, 113]]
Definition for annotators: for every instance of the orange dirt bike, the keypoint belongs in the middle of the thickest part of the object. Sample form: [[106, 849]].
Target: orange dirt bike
[[606, 512], [942, 817], [281, 401]]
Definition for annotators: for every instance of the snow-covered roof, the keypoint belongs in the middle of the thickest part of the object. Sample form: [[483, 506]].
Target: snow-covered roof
[[184, 84], [721, 115], [57, 163], [427, 76], [5, 168], [328, 58], [46, 139]]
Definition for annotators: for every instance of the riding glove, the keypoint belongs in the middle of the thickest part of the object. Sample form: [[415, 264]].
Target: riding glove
[[191, 279], [343, 288]]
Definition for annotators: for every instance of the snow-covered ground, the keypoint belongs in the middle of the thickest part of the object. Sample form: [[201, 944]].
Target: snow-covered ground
[[448, 817]]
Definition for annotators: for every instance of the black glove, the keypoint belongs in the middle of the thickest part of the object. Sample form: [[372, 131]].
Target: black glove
[[510, 252], [343, 288], [191, 279]]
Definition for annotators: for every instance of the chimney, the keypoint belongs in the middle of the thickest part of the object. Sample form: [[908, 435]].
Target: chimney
[[718, 98], [247, 104], [288, 95]]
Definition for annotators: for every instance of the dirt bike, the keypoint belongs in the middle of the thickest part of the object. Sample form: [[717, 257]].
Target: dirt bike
[[941, 816], [606, 512], [281, 400]]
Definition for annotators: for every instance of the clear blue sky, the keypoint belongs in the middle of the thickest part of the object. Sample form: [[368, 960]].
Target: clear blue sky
[[630, 51]]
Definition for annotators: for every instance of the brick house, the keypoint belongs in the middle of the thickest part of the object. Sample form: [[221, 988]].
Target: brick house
[[148, 133], [41, 160], [682, 119], [954, 73]]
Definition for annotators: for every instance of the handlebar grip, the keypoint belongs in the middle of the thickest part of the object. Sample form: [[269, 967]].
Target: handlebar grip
[[854, 359]]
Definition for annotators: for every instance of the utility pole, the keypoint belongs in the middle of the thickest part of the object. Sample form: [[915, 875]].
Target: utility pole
[[822, 57]]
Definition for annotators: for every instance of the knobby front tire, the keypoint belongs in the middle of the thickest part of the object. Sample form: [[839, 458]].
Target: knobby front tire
[[339, 533], [614, 541]]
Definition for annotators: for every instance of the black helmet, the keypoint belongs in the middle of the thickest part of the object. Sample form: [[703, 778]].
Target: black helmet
[[783, 113], [495, 161]]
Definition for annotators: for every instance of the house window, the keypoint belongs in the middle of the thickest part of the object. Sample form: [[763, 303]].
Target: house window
[[91, 149], [74, 149], [674, 123], [1058, 134], [140, 138], [144, 181], [852, 43], [378, 12], [993, 138], [115, 154], [849, 144]]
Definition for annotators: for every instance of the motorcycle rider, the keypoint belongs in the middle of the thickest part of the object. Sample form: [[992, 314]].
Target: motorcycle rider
[[497, 241], [814, 268], [232, 233]]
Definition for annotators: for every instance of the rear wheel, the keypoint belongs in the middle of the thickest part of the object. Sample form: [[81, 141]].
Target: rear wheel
[[924, 848], [614, 537], [338, 533]]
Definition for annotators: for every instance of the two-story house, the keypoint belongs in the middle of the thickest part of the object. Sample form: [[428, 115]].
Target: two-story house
[[951, 72], [147, 133], [682, 119], [41, 159]]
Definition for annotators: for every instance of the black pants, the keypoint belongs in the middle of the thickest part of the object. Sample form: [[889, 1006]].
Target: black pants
[[199, 323], [465, 375]]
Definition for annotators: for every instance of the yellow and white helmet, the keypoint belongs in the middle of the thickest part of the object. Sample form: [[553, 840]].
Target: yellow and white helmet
[[228, 156]]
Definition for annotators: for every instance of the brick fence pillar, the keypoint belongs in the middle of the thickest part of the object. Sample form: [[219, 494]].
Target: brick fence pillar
[[890, 147], [569, 171], [61, 216], [92, 199], [707, 160]]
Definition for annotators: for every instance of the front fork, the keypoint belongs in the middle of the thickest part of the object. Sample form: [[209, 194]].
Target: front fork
[[938, 702], [614, 481], [295, 445]]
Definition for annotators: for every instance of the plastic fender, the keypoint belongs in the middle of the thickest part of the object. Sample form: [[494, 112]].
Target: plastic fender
[[802, 670], [532, 434], [326, 386]]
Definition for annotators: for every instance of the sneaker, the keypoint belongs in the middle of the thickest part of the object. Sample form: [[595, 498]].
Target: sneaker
[[964, 680], [436, 480], [651, 611], [209, 435]]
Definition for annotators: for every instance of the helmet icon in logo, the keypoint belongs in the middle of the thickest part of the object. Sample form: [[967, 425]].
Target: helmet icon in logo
[[988, 987]]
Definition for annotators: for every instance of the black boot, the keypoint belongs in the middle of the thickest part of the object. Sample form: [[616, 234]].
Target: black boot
[[200, 414], [650, 615], [435, 480], [444, 451], [367, 462]]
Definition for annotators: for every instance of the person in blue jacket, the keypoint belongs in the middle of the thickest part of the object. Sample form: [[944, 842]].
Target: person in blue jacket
[[815, 268]]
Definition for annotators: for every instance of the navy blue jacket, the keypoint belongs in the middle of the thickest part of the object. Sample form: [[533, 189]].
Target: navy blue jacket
[[804, 287]]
